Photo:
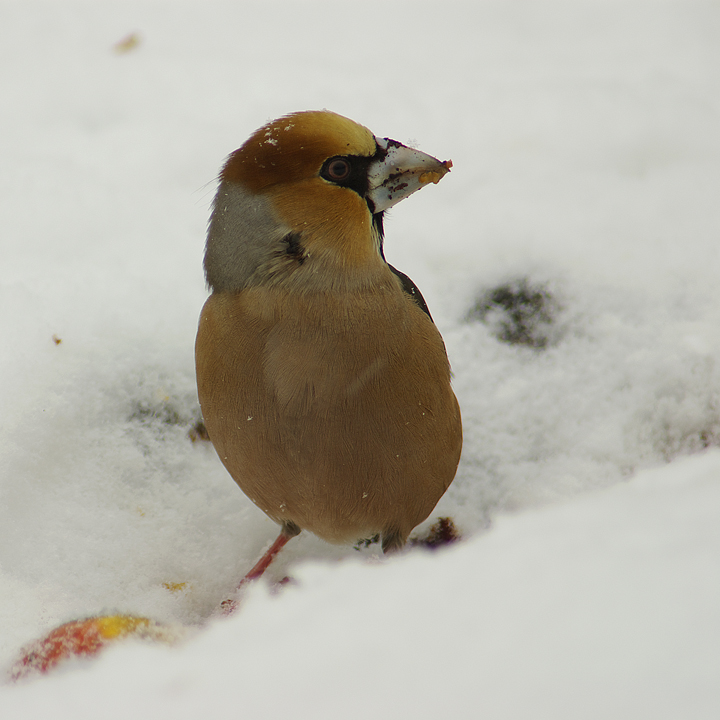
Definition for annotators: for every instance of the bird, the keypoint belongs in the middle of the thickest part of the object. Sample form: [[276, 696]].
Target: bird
[[324, 384]]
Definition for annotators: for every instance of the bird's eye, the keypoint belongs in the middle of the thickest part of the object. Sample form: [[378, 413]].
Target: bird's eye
[[338, 169]]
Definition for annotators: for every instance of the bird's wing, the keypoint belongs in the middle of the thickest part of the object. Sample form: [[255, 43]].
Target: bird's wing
[[412, 290]]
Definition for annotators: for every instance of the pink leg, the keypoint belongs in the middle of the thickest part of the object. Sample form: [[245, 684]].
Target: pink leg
[[229, 606], [264, 562]]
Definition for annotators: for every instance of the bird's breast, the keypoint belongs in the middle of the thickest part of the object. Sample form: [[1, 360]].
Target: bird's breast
[[341, 402]]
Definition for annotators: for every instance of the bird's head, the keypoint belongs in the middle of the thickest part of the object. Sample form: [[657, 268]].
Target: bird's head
[[301, 204]]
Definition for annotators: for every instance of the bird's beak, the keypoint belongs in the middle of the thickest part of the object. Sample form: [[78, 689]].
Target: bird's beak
[[400, 173]]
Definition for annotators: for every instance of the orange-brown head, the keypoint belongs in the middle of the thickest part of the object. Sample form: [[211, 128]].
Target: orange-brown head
[[301, 203]]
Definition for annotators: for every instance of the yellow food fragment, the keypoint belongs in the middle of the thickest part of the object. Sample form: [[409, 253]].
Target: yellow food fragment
[[127, 44], [430, 177], [113, 626]]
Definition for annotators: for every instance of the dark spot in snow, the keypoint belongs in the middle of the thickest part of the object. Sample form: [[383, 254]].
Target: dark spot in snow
[[518, 313], [198, 432], [161, 414], [161, 411]]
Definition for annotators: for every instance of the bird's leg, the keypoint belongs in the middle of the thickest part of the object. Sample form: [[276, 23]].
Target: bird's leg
[[288, 531], [264, 562]]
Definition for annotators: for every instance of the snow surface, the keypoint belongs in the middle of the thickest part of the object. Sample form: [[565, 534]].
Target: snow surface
[[586, 152]]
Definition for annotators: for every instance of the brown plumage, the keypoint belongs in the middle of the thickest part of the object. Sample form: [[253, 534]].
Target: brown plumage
[[324, 383]]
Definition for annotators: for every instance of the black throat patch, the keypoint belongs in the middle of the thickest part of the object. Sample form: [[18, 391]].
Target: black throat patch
[[294, 247]]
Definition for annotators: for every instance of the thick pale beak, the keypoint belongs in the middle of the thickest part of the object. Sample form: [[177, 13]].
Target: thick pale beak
[[400, 173]]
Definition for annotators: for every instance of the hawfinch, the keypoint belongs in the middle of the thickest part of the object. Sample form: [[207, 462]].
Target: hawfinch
[[323, 381]]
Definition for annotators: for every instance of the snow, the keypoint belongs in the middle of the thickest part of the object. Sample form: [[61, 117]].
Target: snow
[[585, 149]]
